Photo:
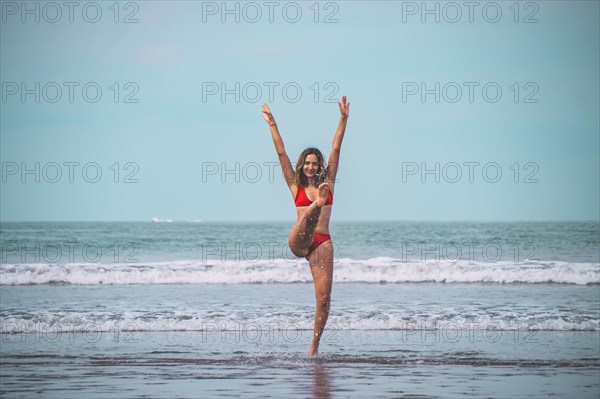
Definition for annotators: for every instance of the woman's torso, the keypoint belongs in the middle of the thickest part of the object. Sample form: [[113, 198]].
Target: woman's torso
[[311, 192]]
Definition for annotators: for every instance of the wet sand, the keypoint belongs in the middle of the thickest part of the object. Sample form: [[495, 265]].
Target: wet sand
[[355, 364]]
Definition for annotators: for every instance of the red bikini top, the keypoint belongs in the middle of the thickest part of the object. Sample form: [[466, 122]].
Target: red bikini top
[[303, 200]]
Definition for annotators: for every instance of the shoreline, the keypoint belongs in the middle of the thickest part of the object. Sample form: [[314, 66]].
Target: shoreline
[[354, 364]]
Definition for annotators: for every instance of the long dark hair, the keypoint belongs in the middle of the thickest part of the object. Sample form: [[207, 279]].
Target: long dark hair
[[321, 174]]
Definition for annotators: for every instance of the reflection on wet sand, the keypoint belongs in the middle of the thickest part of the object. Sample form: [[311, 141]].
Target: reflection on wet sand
[[321, 387]]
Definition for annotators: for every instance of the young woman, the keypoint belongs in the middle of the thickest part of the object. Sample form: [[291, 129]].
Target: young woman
[[310, 237]]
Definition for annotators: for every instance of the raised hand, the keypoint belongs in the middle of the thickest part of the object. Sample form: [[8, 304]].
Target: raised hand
[[344, 108], [267, 114]]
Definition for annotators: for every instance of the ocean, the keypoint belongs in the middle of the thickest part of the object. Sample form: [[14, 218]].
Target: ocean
[[206, 309]]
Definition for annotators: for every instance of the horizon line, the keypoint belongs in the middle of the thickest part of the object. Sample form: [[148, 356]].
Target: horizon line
[[294, 221]]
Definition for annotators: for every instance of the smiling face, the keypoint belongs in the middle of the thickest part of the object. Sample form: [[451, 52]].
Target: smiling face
[[311, 166]]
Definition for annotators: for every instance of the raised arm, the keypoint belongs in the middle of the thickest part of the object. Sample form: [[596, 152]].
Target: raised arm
[[284, 160], [334, 156]]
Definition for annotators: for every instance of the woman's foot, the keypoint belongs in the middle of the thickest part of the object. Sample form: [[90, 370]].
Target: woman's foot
[[322, 194], [313, 351]]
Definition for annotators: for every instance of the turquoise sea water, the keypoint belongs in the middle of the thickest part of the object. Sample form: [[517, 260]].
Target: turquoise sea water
[[423, 309], [565, 241]]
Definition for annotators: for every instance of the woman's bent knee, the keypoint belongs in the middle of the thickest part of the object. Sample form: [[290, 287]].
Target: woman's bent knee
[[298, 251]]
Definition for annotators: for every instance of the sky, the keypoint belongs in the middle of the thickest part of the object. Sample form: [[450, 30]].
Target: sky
[[125, 111]]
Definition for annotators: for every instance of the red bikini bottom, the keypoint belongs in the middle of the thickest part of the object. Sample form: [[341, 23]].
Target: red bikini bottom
[[318, 239]]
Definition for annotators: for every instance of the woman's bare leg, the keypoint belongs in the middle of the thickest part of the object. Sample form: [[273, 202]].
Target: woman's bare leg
[[321, 267], [301, 235]]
